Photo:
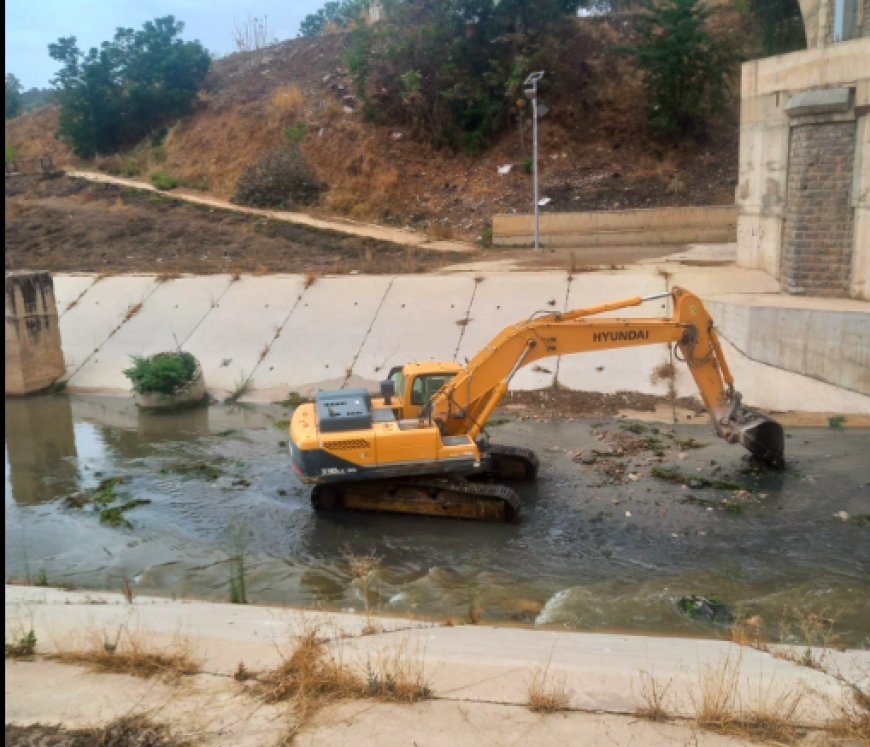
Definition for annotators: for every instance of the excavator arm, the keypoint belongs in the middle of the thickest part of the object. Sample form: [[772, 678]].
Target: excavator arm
[[463, 405]]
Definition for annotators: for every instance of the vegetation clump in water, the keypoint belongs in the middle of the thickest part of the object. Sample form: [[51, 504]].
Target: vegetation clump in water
[[162, 373], [106, 500], [671, 474]]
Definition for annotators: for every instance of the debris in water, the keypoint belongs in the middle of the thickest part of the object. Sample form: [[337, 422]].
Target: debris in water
[[708, 609]]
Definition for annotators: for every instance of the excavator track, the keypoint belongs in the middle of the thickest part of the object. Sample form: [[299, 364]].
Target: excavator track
[[510, 462], [452, 497]]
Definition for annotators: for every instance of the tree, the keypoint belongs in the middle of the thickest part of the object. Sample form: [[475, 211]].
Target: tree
[[13, 96], [117, 93], [686, 70], [336, 14], [451, 70], [780, 25]]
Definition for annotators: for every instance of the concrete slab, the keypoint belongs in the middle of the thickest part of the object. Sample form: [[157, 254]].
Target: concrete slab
[[68, 289], [420, 320], [470, 724], [232, 337], [616, 370], [86, 326], [167, 318], [503, 299], [213, 710], [599, 672], [318, 345]]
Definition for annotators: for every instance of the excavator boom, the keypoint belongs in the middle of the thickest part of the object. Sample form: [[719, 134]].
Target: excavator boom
[[419, 451]]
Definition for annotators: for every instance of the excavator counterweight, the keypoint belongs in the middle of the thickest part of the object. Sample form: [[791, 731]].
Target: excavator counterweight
[[420, 446]]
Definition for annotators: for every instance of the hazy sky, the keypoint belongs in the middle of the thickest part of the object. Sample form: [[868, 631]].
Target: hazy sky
[[31, 25]]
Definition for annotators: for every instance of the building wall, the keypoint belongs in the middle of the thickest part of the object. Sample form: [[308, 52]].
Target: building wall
[[769, 189]]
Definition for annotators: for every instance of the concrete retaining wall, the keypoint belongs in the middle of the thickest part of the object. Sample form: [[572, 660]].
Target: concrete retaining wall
[[831, 346], [680, 225], [271, 335]]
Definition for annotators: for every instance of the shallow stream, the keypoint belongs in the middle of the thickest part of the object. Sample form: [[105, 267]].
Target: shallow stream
[[602, 546]]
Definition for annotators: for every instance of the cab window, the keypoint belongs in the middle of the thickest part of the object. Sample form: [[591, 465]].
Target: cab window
[[424, 387], [398, 379]]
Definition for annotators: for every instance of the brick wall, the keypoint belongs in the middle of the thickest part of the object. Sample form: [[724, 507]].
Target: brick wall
[[817, 236]]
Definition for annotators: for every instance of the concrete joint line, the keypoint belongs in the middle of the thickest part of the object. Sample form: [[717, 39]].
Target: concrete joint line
[[568, 279], [359, 350], [277, 334], [208, 311], [126, 318], [465, 320], [79, 297]]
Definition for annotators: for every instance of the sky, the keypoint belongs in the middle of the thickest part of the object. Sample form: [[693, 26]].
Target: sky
[[31, 25]]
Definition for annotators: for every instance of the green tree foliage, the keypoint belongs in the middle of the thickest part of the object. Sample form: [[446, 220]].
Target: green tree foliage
[[451, 70], [686, 70], [780, 25], [115, 95], [13, 96], [336, 14]]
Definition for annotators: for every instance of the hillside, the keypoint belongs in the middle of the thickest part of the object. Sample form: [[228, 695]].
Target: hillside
[[594, 150]]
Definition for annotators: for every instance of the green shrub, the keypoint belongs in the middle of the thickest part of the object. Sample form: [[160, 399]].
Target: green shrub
[[281, 179], [295, 132], [11, 154], [164, 181], [162, 373]]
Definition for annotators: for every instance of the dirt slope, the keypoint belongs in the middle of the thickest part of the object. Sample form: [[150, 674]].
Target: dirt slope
[[593, 147]]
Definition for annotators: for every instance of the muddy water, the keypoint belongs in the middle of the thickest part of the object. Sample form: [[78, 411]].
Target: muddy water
[[588, 552]]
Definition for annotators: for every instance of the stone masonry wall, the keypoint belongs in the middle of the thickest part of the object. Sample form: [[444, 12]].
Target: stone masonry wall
[[817, 236]]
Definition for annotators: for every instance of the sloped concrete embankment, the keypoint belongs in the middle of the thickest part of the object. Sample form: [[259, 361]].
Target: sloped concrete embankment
[[479, 676], [267, 336]]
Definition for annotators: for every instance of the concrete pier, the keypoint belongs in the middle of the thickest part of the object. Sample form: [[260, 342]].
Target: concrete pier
[[34, 358]]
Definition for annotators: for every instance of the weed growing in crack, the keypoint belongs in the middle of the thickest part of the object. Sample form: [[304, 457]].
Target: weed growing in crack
[[362, 568], [237, 537], [547, 694]]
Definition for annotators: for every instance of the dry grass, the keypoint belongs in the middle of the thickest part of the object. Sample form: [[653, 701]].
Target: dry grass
[[397, 675], [285, 102], [132, 310], [132, 653], [310, 671], [311, 675], [814, 632], [362, 567], [310, 279], [853, 718], [746, 631], [135, 730], [718, 707], [32, 135], [547, 694], [217, 145], [717, 699], [653, 694]]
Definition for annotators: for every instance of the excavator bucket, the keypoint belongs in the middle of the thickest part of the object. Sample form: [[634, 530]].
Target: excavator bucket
[[762, 436]]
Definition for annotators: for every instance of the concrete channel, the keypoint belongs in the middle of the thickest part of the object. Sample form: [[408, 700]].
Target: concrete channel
[[275, 334]]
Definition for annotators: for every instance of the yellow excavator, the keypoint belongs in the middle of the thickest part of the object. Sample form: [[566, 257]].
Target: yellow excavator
[[420, 447]]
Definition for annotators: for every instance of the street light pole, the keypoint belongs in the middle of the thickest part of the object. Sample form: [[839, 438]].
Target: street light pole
[[530, 90]]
